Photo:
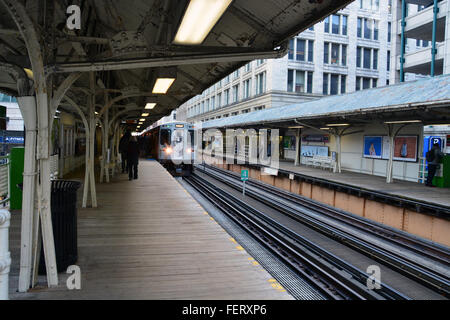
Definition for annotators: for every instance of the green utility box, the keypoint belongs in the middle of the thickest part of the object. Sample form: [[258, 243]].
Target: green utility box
[[17, 158], [444, 181]]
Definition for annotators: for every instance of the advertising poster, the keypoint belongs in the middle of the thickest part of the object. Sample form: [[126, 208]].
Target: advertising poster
[[311, 151], [373, 147], [405, 148]]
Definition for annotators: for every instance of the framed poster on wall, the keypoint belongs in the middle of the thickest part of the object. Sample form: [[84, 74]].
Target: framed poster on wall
[[373, 147], [405, 148]]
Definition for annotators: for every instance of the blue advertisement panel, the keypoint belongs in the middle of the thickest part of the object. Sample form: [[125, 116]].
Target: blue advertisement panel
[[373, 147]]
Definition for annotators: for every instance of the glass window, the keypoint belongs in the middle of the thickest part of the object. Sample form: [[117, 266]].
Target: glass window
[[247, 88], [375, 30], [366, 63], [358, 57], [291, 49], [335, 24], [343, 84], [299, 81], [344, 55], [300, 50], [366, 83], [388, 60], [358, 83], [227, 96], [374, 83], [261, 83], [375, 59], [290, 84], [367, 29], [359, 30], [334, 84], [327, 25], [236, 93], [219, 100], [389, 31], [325, 83], [326, 50], [344, 25], [165, 137], [310, 82], [334, 53], [310, 50]]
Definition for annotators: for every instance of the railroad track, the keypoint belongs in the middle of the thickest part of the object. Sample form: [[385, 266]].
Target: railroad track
[[300, 208], [331, 276]]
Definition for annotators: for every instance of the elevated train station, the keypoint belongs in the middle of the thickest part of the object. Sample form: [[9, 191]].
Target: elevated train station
[[85, 72]]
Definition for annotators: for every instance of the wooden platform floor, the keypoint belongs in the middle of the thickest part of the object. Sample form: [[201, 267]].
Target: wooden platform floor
[[406, 189], [149, 239]]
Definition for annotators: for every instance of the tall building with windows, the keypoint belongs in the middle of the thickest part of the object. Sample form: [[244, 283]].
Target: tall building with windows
[[348, 51]]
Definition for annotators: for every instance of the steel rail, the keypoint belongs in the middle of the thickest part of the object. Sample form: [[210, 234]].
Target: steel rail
[[348, 277], [433, 251], [409, 268]]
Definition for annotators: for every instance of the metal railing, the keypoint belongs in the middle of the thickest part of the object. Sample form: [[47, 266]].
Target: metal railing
[[5, 256]]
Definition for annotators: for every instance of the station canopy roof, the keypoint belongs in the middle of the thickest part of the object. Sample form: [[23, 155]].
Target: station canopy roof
[[427, 100], [130, 44]]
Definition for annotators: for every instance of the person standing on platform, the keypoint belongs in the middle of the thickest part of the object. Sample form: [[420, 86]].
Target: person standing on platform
[[133, 158], [434, 157], [123, 149]]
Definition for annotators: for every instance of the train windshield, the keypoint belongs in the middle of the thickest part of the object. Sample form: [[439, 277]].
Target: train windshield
[[165, 137], [191, 136]]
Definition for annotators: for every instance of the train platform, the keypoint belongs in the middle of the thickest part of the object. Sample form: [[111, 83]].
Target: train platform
[[150, 240], [399, 188]]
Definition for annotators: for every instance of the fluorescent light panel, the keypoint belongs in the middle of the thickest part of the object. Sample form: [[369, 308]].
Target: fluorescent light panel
[[162, 85], [403, 121], [199, 19], [141, 120], [338, 125], [145, 114], [150, 106]]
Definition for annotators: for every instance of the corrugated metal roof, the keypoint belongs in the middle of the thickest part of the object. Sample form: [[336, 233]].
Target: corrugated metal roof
[[420, 91]]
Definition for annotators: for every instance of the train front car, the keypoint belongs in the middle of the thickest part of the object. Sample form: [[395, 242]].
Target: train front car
[[176, 149]]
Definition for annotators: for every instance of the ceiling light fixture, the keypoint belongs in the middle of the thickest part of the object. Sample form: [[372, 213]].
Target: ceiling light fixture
[[199, 19], [150, 106], [145, 114], [403, 121]]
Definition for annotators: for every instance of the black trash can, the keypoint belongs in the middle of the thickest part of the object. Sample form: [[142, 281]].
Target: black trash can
[[64, 220]]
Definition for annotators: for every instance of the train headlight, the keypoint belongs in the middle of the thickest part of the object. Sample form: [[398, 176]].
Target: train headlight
[[168, 150]]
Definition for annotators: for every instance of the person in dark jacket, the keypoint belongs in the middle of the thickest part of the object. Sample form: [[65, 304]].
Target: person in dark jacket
[[433, 165], [133, 158], [123, 149]]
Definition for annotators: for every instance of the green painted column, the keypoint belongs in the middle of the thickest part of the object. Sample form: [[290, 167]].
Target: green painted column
[[17, 157]]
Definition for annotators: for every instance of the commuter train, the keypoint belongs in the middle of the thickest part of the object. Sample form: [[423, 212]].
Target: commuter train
[[172, 144]]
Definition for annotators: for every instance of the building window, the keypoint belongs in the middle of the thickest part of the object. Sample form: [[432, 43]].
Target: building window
[[310, 50], [227, 96], [247, 88], [327, 25], [388, 66], [334, 84], [365, 83], [300, 50], [260, 62], [359, 26], [389, 31], [291, 49], [367, 29], [366, 58], [338, 24], [261, 83], [246, 111], [234, 113], [259, 108], [375, 59], [335, 24], [375, 30], [236, 74], [337, 53], [369, 4], [219, 100], [248, 67], [226, 80], [299, 81], [236, 93], [213, 103]]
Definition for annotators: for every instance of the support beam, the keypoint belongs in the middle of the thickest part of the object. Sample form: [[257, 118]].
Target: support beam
[[246, 55]]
